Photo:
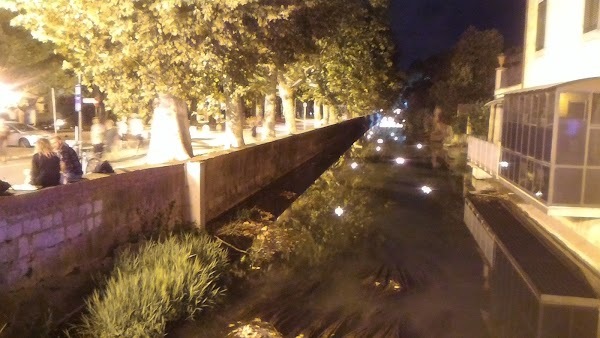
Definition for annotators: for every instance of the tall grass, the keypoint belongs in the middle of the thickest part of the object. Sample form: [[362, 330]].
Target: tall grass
[[164, 281]]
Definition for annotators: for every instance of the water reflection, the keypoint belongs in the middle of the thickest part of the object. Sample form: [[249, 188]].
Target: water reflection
[[370, 253]]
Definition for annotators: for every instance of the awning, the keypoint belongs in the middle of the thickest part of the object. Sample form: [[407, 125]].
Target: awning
[[591, 84], [494, 102]]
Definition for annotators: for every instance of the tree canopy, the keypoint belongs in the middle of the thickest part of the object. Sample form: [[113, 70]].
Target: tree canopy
[[220, 50]]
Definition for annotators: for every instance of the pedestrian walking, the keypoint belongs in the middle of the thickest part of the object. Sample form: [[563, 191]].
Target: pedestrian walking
[[136, 130], [3, 139], [111, 135], [439, 132], [69, 161], [97, 136], [45, 165]]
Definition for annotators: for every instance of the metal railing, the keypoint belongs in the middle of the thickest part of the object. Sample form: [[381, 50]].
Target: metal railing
[[484, 154]]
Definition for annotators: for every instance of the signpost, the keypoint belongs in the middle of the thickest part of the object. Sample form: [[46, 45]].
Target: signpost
[[78, 133]]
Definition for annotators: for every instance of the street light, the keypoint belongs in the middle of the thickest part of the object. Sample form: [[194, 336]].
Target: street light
[[8, 97]]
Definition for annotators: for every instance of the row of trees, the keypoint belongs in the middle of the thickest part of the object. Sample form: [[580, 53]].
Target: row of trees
[[206, 52]]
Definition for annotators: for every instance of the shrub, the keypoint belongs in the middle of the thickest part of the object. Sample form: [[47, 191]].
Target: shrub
[[163, 281]]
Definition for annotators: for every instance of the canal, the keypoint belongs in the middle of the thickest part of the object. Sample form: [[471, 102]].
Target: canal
[[375, 247]]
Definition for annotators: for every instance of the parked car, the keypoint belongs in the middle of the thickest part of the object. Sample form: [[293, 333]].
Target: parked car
[[23, 135]]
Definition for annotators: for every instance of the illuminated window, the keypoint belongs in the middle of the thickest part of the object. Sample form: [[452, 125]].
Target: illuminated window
[[541, 25], [590, 17]]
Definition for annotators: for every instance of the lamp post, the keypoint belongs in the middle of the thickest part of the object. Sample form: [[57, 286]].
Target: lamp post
[[304, 104]]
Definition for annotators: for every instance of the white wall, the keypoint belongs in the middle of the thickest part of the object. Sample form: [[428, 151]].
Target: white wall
[[568, 54]]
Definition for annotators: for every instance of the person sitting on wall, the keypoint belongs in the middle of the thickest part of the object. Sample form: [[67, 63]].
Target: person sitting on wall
[[69, 161], [45, 165]]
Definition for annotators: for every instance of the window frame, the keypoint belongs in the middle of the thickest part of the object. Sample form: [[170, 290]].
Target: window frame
[[540, 33], [591, 18]]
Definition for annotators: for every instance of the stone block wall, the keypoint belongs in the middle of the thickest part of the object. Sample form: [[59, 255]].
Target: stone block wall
[[231, 177], [53, 231], [56, 230]]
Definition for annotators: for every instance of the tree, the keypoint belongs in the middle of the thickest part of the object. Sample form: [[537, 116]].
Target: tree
[[470, 78], [29, 65], [188, 49]]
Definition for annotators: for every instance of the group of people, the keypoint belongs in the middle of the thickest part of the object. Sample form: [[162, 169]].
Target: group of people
[[105, 137], [54, 162]]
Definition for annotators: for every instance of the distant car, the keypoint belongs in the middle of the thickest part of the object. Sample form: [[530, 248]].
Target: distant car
[[23, 135]]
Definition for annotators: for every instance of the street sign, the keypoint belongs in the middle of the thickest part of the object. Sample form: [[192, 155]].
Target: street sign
[[78, 98], [89, 100]]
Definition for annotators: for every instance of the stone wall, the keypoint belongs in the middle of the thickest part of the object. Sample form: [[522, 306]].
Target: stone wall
[[53, 231], [57, 230], [232, 177]]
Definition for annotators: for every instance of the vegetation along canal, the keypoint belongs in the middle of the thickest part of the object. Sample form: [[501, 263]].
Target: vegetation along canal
[[364, 251]]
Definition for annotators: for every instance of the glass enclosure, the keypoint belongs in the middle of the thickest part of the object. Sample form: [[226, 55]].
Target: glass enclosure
[[554, 133]]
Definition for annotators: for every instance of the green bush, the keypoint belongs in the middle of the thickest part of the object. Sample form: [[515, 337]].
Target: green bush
[[163, 281]]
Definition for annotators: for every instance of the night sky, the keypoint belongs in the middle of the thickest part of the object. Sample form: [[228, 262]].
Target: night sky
[[422, 28]]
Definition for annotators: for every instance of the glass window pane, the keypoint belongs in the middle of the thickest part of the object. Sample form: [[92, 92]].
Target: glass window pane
[[550, 108], [596, 109], [548, 144], [572, 129], [592, 193], [539, 144], [567, 186], [532, 139], [594, 147]]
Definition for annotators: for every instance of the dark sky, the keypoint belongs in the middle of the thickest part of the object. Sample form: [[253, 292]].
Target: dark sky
[[422, 28]]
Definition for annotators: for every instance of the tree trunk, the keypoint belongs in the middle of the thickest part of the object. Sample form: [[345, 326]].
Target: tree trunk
[[269, 121], [260, 108], [333, 114], [317, 113], [234, 125], [170, 132], [287, 99], [325, 119]]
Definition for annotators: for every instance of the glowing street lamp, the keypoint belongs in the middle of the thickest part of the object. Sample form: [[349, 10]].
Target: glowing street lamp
[[503, 164], [396, 138], [8, 97], [339, 211], [426, 190], [400, 160], [380, 141], [378, 148], [419, 146], [354, 165]]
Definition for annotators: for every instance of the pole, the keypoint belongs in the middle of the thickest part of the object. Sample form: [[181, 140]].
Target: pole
[[79, 115], [54, 110]]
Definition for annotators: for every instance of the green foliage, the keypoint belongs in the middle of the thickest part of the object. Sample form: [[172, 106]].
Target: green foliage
[[471, 72], [164, 281], [27, 63], [322, 234]]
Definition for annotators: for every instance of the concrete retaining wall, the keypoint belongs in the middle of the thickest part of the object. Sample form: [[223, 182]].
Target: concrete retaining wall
[[232, 177], [53, 231]]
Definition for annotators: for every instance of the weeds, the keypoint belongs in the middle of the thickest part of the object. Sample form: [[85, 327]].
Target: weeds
[[164, 281]]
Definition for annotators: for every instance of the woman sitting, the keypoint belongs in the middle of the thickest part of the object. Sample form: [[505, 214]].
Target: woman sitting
[[45, 165]]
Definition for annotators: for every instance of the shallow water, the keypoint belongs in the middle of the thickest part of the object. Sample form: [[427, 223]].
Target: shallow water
[[396, 263]]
